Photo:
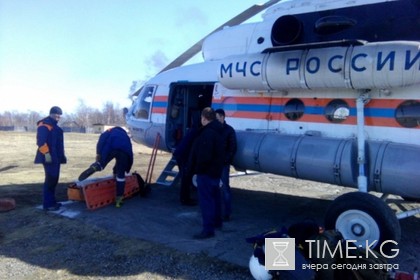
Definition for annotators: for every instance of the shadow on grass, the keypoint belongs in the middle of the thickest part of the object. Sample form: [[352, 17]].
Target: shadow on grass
[[7, 168]]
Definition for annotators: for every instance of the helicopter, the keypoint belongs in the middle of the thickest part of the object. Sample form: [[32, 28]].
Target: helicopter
[[327, 91]]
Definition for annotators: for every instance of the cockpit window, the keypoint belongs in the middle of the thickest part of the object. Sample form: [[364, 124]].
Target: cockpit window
[[143, 103]]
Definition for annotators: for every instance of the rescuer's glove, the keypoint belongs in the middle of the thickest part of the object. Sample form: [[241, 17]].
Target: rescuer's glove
[[48, 158]]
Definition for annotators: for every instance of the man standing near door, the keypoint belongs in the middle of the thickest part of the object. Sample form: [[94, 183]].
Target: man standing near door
[[229, 141], [207, 160]]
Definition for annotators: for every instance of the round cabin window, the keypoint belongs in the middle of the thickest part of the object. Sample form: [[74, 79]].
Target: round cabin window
[[337, 111], [407, 114], [294, 109]]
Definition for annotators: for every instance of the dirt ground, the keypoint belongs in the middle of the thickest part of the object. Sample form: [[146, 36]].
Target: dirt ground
[[95, 252]]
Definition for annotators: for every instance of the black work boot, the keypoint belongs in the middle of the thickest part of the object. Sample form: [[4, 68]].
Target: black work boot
[[92, 169]]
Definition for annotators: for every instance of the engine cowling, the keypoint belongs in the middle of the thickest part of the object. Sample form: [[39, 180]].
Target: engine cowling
[[372, 65]]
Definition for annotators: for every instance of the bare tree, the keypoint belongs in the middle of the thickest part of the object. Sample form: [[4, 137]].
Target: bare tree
[[108, 112], [7, 119], [33, 118], [97, 117], [84, 116]]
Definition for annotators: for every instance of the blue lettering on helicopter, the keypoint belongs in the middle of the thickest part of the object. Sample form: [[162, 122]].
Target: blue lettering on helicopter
[[313, 64], [330, 63], [390, 58], [353, 62], [226, 69], [408, 63], [241, 68], [253, 71], [292, 65]]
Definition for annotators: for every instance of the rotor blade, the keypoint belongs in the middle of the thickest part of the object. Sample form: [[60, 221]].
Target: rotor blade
[[245, 15]]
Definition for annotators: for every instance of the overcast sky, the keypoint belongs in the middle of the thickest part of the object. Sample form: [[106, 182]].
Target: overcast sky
[[56, 52]]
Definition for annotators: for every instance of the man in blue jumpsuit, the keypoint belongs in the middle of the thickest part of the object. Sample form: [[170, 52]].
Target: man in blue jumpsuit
[[114, 143], [50, 154], [207, 159]]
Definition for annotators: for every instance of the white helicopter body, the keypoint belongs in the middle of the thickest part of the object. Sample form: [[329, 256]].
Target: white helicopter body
[[327, 91]]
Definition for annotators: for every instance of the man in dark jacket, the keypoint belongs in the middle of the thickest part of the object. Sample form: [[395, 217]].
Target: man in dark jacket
[[207, 163], [229, 139], [50, 153], [114, 143]]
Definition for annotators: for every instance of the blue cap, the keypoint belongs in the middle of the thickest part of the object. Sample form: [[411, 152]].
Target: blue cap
[[56, 110]]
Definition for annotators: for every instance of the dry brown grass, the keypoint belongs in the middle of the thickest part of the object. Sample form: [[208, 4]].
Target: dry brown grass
[[38, 245]]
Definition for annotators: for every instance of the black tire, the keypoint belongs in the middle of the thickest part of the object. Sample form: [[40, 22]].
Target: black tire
[[362, 216]]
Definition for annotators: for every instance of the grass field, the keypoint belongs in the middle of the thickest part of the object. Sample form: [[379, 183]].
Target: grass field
[[38, 245], [18, 153]]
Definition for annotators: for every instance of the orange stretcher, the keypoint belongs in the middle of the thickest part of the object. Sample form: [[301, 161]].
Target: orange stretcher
[[99, 192]]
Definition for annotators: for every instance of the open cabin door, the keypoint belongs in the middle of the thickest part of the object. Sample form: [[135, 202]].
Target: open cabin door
[[185, 103]]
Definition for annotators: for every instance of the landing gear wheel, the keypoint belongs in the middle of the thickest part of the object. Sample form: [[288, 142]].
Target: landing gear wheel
[[364, 218]]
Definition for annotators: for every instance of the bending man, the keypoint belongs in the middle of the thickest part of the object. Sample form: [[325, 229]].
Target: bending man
[[114, 143]]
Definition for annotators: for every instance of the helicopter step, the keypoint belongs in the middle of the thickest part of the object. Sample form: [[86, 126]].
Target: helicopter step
[[169, 176]]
